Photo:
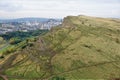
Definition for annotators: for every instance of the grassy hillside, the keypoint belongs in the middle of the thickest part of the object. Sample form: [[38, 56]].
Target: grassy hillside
[[82, 48], [1, 41]]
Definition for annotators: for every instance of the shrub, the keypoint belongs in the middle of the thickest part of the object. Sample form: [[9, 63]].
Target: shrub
[[1, 57], [117, 40], [87, 46], [58, 78]]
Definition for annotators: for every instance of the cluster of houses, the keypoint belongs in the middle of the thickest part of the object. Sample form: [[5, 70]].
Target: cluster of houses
[[28, 26]]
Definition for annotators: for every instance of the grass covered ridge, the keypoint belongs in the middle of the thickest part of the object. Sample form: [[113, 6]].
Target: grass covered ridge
[[82, 48]]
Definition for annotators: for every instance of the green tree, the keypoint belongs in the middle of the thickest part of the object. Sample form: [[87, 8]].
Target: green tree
[[14, 40]]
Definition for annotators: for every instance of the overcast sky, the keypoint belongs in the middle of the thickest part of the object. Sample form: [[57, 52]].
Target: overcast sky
[[58, 8]]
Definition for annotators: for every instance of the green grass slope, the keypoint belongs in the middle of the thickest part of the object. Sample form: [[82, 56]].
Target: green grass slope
[[82, 48], [2, 42]]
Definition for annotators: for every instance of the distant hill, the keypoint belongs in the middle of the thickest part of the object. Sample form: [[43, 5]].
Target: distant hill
[[82, 48], [25, 19]]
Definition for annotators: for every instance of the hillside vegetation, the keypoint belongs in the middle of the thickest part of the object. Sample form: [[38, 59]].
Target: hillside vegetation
[[82, 47], [11, 41], [2, 42]]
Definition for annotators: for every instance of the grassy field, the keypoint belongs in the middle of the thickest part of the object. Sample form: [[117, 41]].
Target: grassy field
[[82, 48], [2, 42]]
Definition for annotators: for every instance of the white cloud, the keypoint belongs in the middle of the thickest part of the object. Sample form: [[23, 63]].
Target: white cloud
[[58, 8]]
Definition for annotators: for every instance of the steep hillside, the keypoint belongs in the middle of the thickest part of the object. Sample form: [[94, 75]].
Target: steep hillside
[[82, 48]]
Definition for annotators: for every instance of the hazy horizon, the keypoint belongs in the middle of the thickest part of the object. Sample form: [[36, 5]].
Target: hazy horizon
[[11, 9]]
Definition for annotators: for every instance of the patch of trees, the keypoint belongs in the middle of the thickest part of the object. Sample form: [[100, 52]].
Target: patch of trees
[[9, 50], [23, 35], [15, 40]]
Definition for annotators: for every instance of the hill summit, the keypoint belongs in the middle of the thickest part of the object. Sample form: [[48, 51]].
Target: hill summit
[[82, 47]]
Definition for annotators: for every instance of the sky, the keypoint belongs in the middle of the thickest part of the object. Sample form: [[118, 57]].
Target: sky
[[58, 8]]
